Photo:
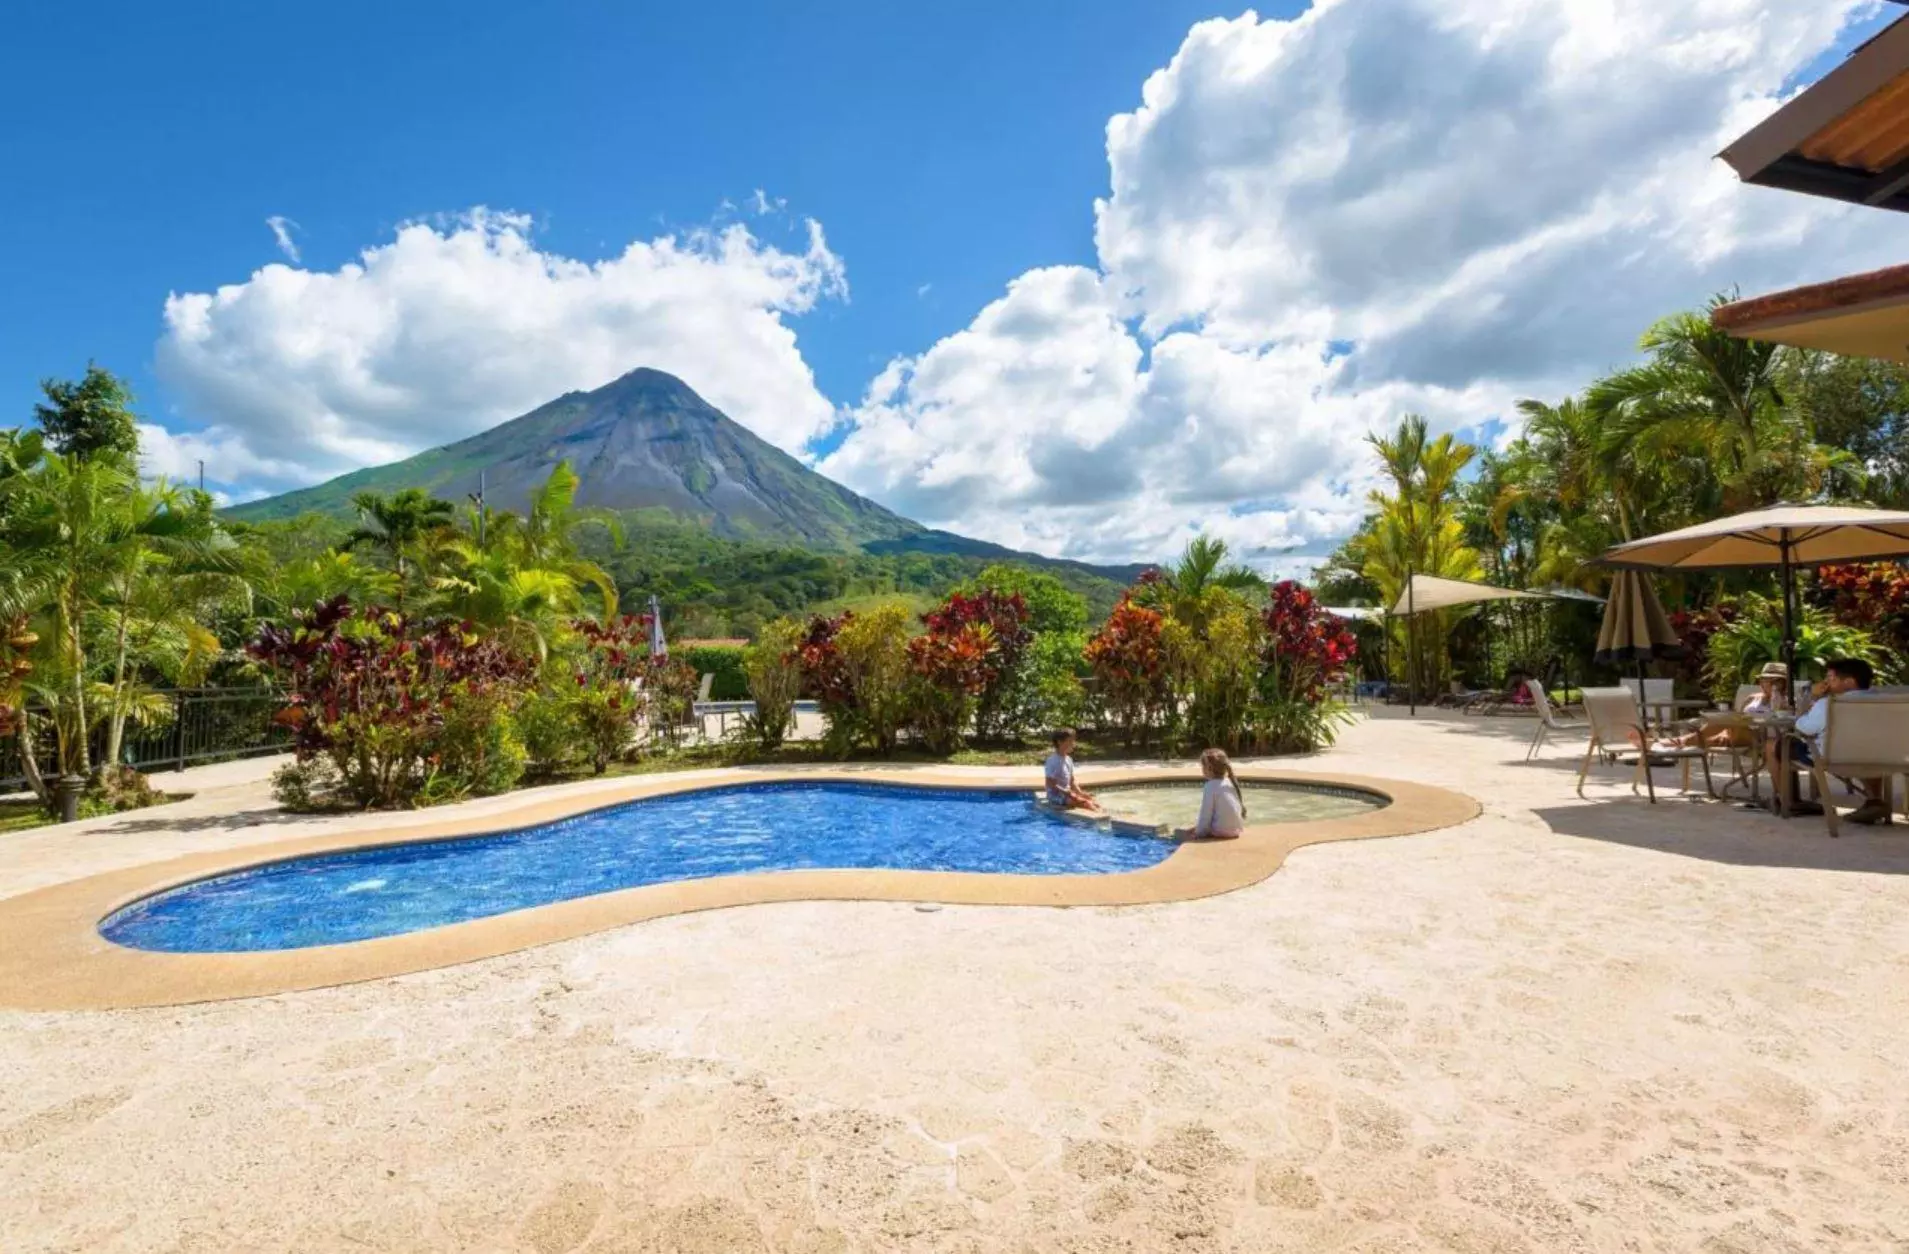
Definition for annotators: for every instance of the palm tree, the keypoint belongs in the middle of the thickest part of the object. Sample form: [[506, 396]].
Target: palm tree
[[546, 537], [1416, 529], [1184, 589], [1711, 405], [400, 527], [79, 532]]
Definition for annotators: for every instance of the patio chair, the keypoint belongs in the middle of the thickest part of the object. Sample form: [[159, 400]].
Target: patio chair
[[1613, 717], [1550, 719], [1458, 696], [1866, 737], [1741, 747]]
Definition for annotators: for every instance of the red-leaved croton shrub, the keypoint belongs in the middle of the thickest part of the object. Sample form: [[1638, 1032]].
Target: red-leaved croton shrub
[[825, 675], [1693, 629], [385, 712], [1129, 662], [1306, 650], [953, 662], [1001, 706], [1871, 595]]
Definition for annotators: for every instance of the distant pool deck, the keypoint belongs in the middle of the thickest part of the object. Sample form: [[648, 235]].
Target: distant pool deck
[[54, 957]]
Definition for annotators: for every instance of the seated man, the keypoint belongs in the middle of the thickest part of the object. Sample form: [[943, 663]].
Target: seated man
[[1842, 675], [1062, 791]]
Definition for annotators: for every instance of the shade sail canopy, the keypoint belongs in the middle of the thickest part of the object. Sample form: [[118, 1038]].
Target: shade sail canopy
[[1635, 627], [1804, 535], [1429, 592], [1864, 315], [1845, 137]]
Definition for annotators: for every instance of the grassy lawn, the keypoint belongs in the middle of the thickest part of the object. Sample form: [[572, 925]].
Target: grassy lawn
[[18, 816]]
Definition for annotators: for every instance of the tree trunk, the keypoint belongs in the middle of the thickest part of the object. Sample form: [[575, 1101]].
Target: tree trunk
[[75, 755], [30, 762], [116, 728]]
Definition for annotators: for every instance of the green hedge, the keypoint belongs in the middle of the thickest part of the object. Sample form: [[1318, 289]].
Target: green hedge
[[724, 661]]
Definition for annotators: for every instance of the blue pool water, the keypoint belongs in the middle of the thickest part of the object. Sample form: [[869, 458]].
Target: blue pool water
[[333, 898]]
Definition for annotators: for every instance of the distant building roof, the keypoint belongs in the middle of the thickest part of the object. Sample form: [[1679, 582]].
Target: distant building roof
[[1846, 136], [1864, 315]]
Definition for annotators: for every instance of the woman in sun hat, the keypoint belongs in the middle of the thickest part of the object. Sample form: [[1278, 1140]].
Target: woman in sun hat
[[1773, 690], [1772, 695]]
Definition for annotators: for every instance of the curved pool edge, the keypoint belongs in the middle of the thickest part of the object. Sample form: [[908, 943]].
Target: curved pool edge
[[53, 957]]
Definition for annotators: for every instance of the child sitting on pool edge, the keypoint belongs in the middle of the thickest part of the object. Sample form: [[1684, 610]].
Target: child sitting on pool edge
[[1062, 791], [1222, 805]]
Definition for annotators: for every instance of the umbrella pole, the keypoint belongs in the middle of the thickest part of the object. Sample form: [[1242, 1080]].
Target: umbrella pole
[[1643, 735], [1411, 643], [1385, 644], [1789, 614]]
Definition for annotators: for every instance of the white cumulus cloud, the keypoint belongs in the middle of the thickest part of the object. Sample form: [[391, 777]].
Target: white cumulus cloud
[[453, 326], [1317, 224]]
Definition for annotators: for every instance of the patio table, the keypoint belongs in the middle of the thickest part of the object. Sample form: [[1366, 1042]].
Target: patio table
[[1780, 725]]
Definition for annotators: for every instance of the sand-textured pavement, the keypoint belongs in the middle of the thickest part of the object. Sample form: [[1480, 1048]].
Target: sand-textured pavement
[[1563, 1026]]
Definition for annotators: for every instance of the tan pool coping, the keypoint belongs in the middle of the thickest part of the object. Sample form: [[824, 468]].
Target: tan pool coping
[[53, 957]]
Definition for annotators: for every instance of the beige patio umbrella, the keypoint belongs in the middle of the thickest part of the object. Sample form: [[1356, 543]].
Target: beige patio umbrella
[[1784, 536], [1425, 593]]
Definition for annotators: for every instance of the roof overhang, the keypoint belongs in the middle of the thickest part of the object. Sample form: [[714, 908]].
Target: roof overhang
[[1864, 315], [1845, 137]]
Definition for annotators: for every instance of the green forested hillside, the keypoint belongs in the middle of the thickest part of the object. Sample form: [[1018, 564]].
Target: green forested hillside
[[714, 586]]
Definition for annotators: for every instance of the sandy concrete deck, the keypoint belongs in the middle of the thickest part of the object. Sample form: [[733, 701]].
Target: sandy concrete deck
[[1562, 1026]]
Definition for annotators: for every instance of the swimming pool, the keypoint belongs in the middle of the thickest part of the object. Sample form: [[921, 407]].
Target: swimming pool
[[330, 899]]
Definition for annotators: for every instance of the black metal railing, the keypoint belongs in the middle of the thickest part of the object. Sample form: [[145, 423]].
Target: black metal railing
[[207, 725]]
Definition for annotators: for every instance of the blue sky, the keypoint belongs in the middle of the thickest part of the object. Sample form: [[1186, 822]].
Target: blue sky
[[942, 146], [1051, 310]]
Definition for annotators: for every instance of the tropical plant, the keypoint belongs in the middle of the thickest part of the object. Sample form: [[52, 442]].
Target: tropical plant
[[379, 707], [773, 669], [873, 647], [1180, 589], [1306, 649], [1741, 648], [403, 528], [105, 561], [954, 663], [1215, 668], [1129, 661], [1039, 688], [1003, 704]]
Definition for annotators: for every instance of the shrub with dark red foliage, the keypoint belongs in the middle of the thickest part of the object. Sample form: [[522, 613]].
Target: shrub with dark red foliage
[[1693, 629], [1129, 661], [1306, 648], [953, 664], [824, 674], [387, 704], [1002, 707], [1871, 595]]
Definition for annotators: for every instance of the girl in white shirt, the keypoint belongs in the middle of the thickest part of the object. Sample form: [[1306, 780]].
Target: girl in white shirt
[[1222, 807]]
